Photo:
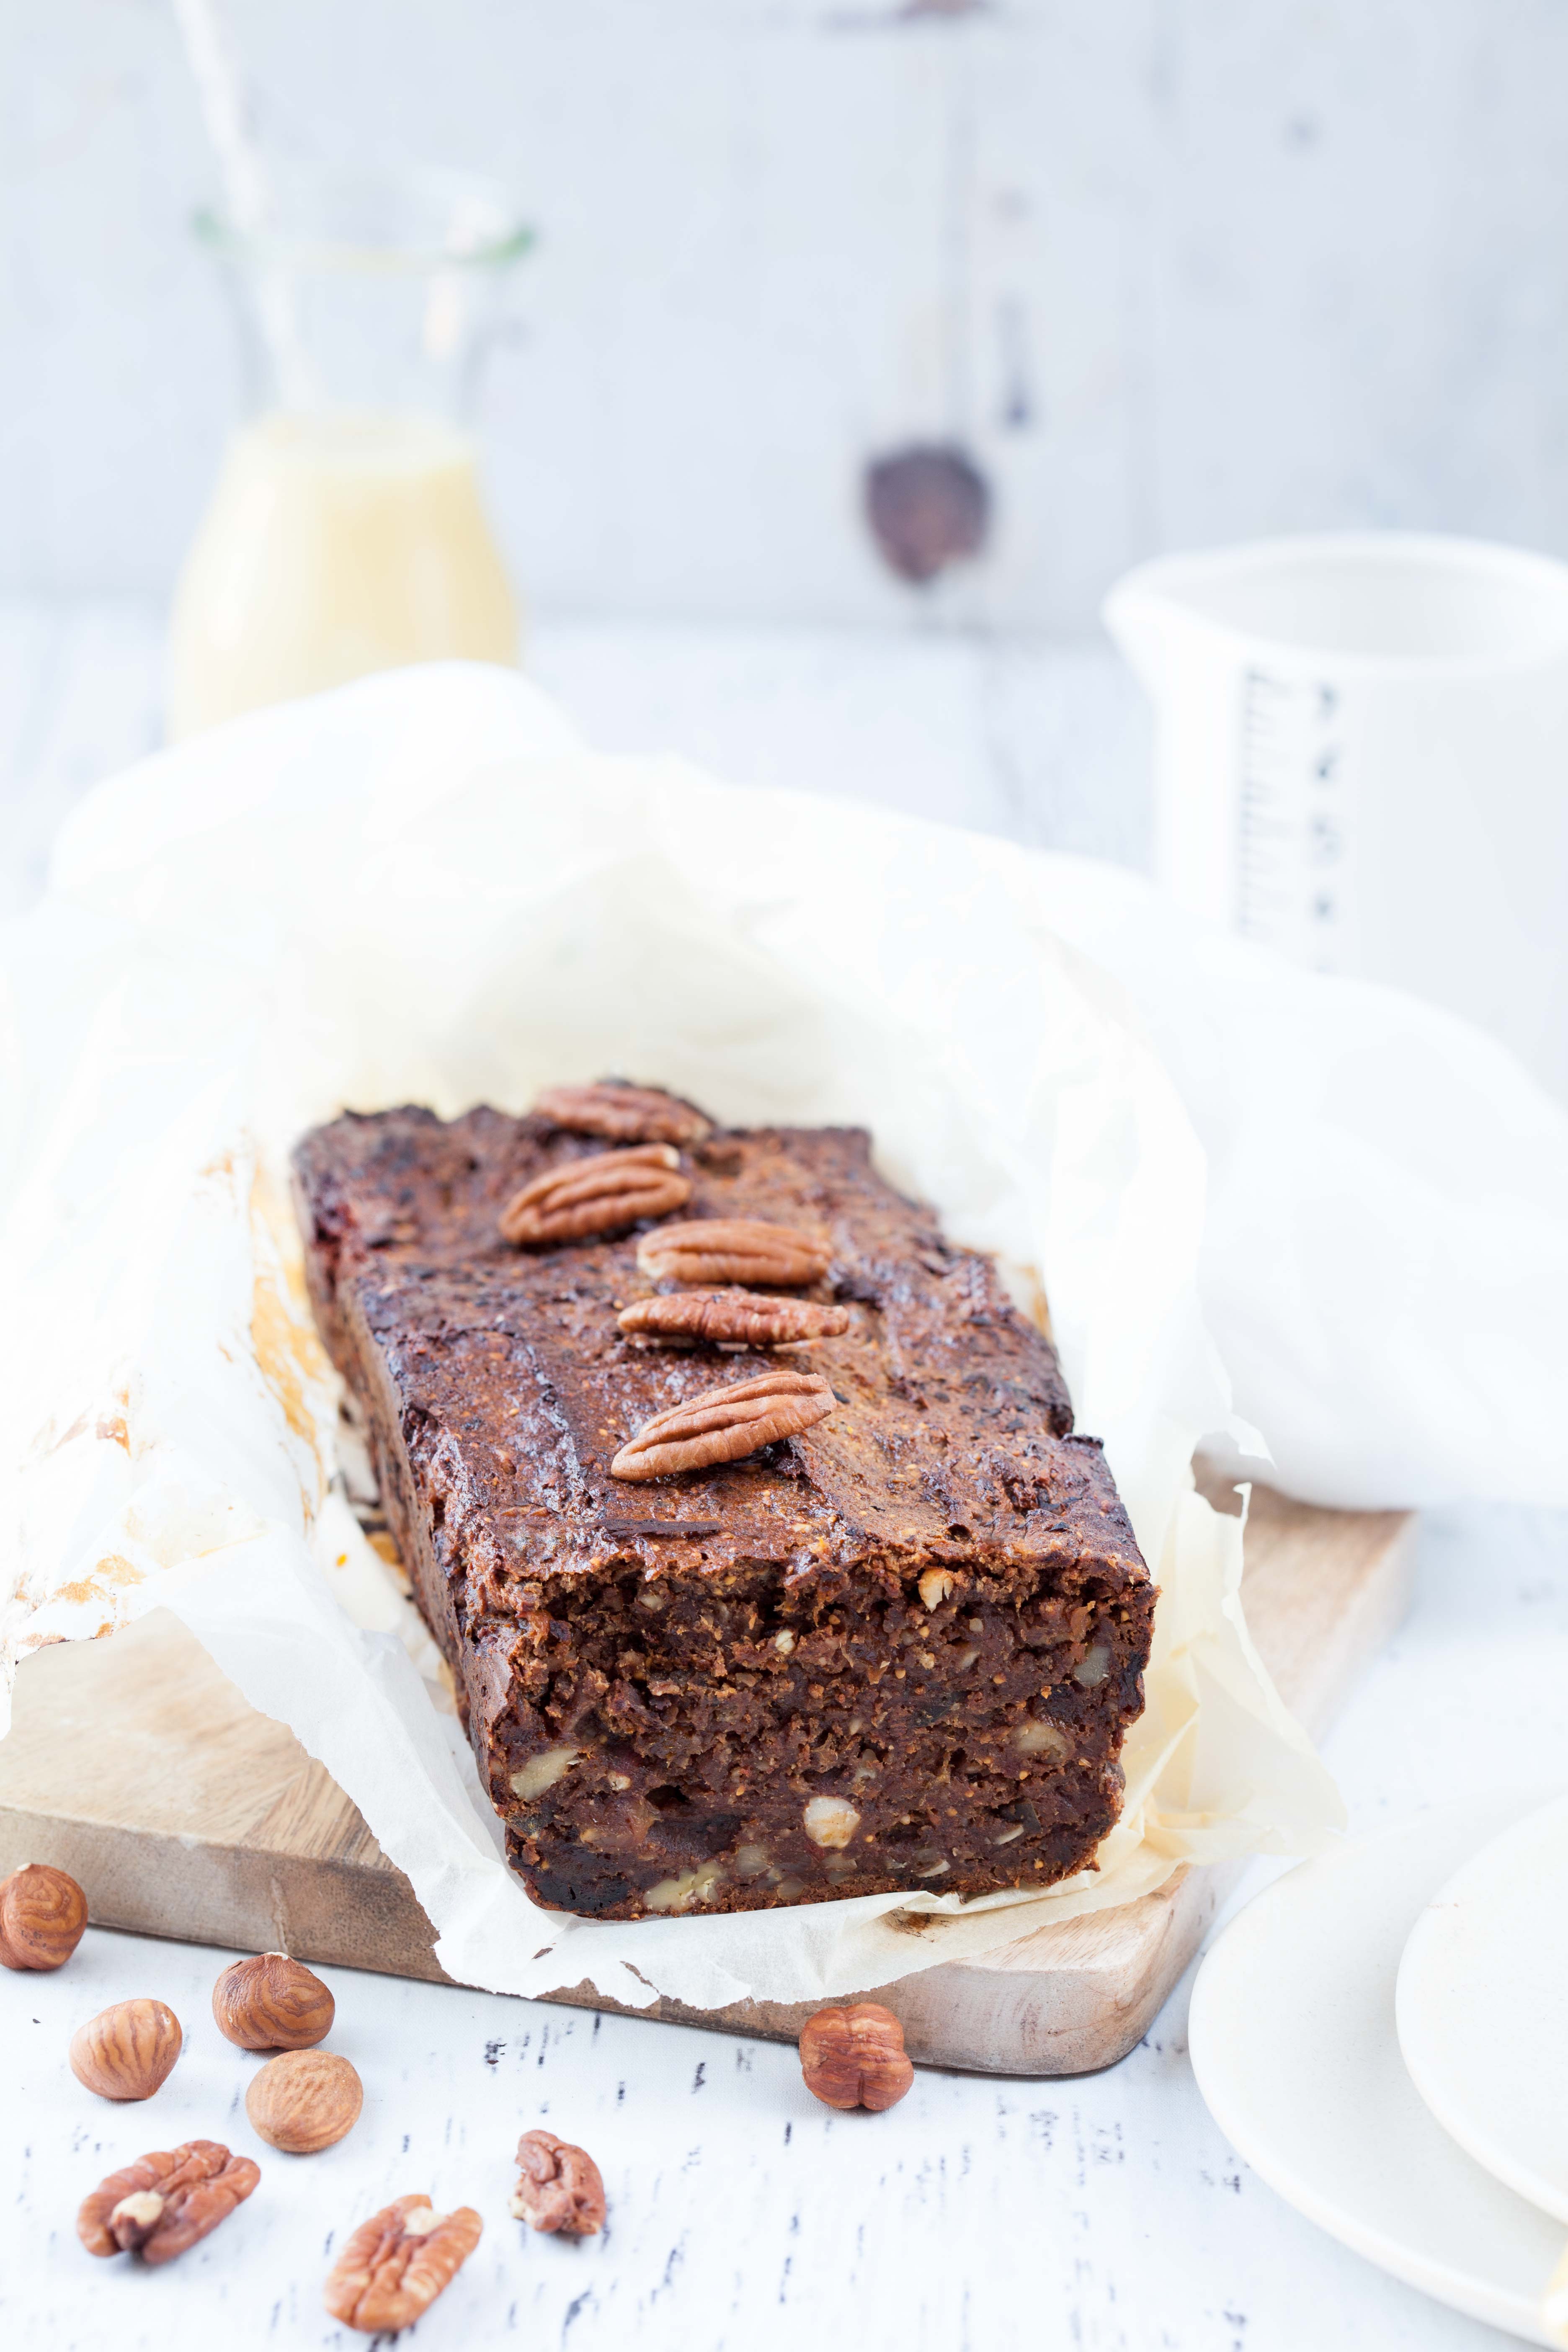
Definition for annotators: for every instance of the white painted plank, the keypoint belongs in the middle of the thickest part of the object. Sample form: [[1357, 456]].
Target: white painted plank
[[32, 682], [1044, 743], [875, 717], [94, 707], [1253, 269], [1035, 742], [1355, 251], [1071, 744], [31, 633]]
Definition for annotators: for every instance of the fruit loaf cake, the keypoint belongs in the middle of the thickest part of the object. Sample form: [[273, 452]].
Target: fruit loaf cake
[[747, 1509]]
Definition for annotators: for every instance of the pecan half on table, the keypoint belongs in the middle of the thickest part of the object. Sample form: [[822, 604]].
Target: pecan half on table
[[724, 1424], [399, 2261], [558, 2186], [622, 1114], [735, 1249], [603, 1195], [738, 1317], [165, 2201]]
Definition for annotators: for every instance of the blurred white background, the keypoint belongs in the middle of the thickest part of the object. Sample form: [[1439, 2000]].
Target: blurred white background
[[1172, 271]]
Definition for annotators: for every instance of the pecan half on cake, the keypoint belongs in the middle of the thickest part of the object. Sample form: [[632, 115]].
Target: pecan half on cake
[[892, 1640]]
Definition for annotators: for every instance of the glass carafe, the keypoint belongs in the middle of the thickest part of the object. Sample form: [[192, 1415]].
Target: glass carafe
[[347, 533]]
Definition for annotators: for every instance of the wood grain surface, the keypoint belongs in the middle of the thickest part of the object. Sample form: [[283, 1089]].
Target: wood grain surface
[[211, 1824]]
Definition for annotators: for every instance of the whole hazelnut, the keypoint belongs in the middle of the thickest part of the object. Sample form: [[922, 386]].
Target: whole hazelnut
[[43, 1915], [304, 2101], [855, 2057], [272, 2003], [127, 2052]]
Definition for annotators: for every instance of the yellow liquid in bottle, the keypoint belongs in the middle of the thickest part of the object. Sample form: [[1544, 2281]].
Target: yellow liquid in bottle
[[334, 545]]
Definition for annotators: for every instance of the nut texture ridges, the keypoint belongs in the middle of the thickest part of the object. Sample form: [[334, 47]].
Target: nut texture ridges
[[725, 1424], [855, 2057], [735, 1249], [304, 2100], [43, 1916], [164, 2203], [733, 1318], [604, 1193], [622, 1114], [398, 2262], [559, 2189], [272, 2003], [127, 2052]]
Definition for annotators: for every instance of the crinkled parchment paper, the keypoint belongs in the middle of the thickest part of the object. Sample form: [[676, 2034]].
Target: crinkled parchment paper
[[424, 888]]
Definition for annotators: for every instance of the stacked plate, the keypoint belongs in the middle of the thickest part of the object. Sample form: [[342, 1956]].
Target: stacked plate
[[1384, 2035]]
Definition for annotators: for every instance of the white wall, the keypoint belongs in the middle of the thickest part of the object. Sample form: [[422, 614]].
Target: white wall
[[1175, 269]]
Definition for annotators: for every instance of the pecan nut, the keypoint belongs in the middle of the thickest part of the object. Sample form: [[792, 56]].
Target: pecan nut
[[558, 2186], [165, 2201], [724, 1424], [399, 2261], [735, 1249], [603, 1195], [855, 2057], [722, 1316], [622, 1114]]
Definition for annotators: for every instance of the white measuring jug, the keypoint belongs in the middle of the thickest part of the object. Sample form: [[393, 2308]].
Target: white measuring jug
[[1361, 760]]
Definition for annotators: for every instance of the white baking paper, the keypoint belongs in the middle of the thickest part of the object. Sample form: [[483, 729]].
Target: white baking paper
[[424, 888], [1384, 1261]]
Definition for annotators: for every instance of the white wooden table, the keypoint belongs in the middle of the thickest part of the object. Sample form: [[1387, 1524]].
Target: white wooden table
[[1103, 2214]]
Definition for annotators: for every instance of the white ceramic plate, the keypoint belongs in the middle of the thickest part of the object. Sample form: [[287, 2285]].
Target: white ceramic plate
[[1293, 2042], [1482, 2006]]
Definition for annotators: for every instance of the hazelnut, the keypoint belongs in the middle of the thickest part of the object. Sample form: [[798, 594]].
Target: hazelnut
[[304, 2101], [272, 2003], [43, 1915], [855, 2057], [127, 2052]]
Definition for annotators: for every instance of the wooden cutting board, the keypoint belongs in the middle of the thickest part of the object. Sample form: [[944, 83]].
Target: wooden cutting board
[[138, 1766]]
